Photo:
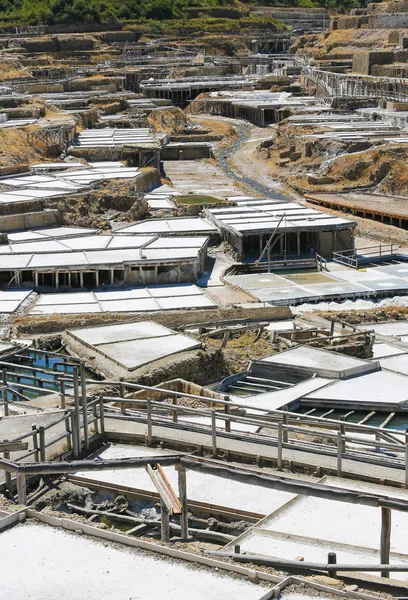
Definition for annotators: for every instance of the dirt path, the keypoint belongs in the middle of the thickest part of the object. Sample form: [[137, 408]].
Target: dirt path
[[240, 161]]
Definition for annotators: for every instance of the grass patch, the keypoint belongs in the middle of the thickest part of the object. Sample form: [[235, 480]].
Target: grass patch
[[199, 199]]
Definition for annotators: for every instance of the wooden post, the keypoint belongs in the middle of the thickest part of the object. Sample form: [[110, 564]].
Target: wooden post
[[182, 485], [102, 415], [174, 410], [149, 438], [165, 522], [214, 433], [21, 488], [285, 422], [67, 429], [84, 405], [35, 442], [342, 429], [385, 539], [77, 419], [95, 418], [280, 446], [339, 453], [332, 560], [122, 395], [5, 393], [227, 412], [6, 455], [74, 433], [62, 394], [406, 458], [225, 339], [41, 435]]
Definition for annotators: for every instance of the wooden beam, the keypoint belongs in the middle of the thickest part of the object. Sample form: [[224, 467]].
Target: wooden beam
[[8, 465], [385, 539], [13, 446], [258, 559], [162, 485], [59, 468], [316, 490]]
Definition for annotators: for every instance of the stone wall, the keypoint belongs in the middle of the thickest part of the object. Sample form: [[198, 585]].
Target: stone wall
[[347, 23], [385, 21], [395, 70], [172, 319], [58, 44], [118, 36], [364, 61], [29, 220]]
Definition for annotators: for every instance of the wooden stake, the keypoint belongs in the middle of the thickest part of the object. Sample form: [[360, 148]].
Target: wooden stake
[[149, 439], [165, 522], [77, 419], [339, 453], [84, 406], [280, 446], [41, 435], [182, 485], [8, 475], [214, 433], [332, 560], [227, 422], [21, 488], [385, 539], [406, 458]]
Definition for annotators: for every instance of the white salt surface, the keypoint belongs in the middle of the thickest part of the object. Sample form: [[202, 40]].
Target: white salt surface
[[339, 522], [136, 353], [393, 328], [165, 297], [259, 542], [200, 488], [384, 350], [68, 566], [395, 301]]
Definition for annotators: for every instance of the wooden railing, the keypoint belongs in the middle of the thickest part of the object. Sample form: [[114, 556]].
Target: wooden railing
[[356, 257]]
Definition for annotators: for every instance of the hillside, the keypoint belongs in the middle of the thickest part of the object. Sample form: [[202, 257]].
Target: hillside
[[129, 12]]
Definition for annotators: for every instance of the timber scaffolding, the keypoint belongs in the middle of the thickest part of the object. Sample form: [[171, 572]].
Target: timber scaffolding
[[171, 505], [386, 209], [53, 136], [350, 85], [344, 448], [259, 107], [182, 91], [266, 42]]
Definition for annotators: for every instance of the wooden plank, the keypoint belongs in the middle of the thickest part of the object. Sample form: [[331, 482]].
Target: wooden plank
[[59, 468], [170, 489], [13, 446], [168, 497], [279, 563]]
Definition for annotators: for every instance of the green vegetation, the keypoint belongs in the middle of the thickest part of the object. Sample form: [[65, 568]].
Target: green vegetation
[[216, 15], [54, 12], [198, 199], [206, 26]]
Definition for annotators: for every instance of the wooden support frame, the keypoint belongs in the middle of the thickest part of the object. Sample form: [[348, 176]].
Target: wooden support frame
[[162, 485]]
